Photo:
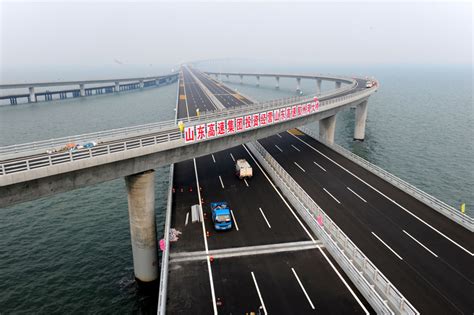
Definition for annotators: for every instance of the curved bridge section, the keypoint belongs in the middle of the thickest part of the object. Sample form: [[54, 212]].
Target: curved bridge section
[[27, 172]]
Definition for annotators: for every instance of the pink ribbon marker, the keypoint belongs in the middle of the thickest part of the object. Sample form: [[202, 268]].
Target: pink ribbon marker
[[162, 245]]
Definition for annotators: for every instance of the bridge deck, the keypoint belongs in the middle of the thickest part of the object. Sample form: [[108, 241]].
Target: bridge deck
[[427, 257], [263, 219]]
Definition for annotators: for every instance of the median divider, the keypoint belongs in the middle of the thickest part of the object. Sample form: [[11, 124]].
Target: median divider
[[382, 295]]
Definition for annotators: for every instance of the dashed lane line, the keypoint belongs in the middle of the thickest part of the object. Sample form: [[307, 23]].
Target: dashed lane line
[[327, 192]]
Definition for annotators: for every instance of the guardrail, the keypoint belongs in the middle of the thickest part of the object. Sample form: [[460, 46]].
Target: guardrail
[[432, 202], [376, 288], [171, 134]]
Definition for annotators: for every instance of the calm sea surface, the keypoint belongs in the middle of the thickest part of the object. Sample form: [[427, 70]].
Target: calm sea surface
[[71, 253]]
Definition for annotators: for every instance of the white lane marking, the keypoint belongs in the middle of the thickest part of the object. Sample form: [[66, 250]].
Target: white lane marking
[[302, 288], [279, 194], [187, 218], [259, 295], [390, 199], [331, 195], [222, 183], [278, 148], [232, 157], [357, 195], [387, 246], [420, 243], [235, 221], [279, 135], [319, 166], [344, 281], [213, 158], [211, 280], [296, 148], [263, 214], [246, 182], [299, 167]]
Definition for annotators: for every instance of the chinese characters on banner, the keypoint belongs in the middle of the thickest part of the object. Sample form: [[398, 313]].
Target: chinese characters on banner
[[238, 124]]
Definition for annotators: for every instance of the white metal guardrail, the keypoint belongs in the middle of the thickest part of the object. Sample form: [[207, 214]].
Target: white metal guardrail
[[163, 136], [432, 202], [376, 288]]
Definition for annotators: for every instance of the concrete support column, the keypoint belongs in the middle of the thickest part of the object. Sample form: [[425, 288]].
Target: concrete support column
[[277, 86], [338, 84], [156, 82], [241, 79], [117, 86], [318, 86], [227, 77], [141, 84], [360, 119], [258, 80], [327, 126], [83, 90], [141, 211], [32, 94], [298, 84]]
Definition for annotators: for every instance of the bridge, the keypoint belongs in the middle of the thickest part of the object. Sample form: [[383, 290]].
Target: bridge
[[309, 204], [95, 87]]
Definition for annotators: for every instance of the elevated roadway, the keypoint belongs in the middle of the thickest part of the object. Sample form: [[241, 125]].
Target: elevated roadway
[[270, 266], [428, 257]]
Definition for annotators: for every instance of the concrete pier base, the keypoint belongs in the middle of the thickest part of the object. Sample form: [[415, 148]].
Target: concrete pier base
[[241, 79], [82, 89], [318, 86], [141, 84], [360, 119], [32, 94], [141, 210], [258, 80], [117, 86], [298, 84], [338, 84], [277, 85], [327, 127]]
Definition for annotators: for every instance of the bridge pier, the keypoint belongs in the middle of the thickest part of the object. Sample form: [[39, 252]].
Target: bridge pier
[[83, 91], [141, 210], [258, 80], [277, 86], [241, 79], [318, 86], [360, 119], [142, 85], [117, 86], [298, 84], [32, 98], [327, 127], [227, 77], [338, 84]]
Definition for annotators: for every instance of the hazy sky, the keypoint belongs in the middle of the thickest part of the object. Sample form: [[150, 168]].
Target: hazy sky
[[86, 33]]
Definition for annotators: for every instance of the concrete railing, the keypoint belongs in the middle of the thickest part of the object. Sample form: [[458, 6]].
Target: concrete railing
[[382, 295], [156, 136], [432, 202]]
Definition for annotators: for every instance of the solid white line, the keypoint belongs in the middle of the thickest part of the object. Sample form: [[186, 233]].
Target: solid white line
[[345, 282], [302, 288], [319, 166], [232, 157], [387, 246], [390, 199], [420, 243], [278, 148], [357, 195], [235, 221], [259, 295], [279, 194], [211, 280], [299, 167], [263, 214], [213, 158], [246, 182], [187, 218], [296, 148], [331, 195], [222, 183], [279, 135]]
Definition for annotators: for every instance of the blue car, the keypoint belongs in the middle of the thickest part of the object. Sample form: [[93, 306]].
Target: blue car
[[221, 216]]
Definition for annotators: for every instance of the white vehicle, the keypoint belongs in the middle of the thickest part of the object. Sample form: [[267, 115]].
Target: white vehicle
[[243, 169], [369, 84]]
